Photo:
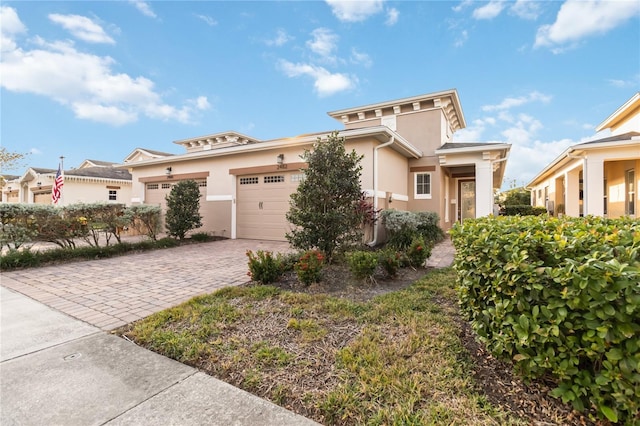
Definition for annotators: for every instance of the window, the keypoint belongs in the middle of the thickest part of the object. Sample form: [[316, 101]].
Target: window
[[202, 183], [249, 181], [297, 177], [422, 186], [152, 186], [630, 208], [166, 185], [113, 195], [273, 179]]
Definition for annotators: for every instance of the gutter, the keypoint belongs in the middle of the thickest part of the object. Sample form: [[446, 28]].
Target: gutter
[[391, 141]]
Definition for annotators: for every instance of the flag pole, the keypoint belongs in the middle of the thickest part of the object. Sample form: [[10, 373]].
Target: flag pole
[[62, 174]]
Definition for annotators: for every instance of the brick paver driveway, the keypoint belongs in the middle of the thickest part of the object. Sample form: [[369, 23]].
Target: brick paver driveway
[[109, 293]]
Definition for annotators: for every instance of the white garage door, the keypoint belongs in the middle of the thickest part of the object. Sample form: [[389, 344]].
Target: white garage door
[[262, 205]]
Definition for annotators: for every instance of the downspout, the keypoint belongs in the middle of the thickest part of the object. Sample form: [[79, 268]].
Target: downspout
[[392, 139]]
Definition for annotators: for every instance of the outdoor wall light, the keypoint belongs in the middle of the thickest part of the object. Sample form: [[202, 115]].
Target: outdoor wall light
[[9, 188], [391, 198], [280, 159], [168, 171], [39, 184]]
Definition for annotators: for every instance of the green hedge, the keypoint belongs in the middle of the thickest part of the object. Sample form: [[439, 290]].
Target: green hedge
[[524, 210], [559, 298]]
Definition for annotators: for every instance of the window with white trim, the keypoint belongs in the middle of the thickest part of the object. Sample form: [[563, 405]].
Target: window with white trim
[[422, 186], [113, 195]]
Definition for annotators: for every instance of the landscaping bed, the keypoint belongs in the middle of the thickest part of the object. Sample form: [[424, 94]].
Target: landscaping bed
[[341, 352]]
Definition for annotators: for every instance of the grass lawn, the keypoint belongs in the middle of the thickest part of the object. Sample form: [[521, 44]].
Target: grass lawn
[[397, 358]]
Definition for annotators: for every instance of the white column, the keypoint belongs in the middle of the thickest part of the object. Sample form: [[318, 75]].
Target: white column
[[593, 186], [484, 188]]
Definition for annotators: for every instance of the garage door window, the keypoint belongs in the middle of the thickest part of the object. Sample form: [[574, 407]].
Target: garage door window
[[166, 185], [152, 186], [249, 181], [273, 179], [297, 177]]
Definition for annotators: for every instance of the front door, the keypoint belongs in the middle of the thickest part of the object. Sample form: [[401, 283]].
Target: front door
[[467, 197]]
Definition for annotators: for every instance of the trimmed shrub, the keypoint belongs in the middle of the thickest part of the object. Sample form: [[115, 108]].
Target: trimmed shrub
[[418, 252], [559, 298], [403, 227], [264, 266], [390, 260], [309, 267], [362, 264], [524, 210]]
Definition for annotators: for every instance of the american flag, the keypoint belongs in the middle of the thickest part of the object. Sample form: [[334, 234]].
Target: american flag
[[56, 191]]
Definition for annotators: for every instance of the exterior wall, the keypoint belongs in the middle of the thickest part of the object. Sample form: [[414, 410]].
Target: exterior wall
[[423, 129], [217, 207], [630, 124]]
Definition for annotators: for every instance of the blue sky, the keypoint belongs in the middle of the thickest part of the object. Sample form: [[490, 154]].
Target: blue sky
[[90, 79]]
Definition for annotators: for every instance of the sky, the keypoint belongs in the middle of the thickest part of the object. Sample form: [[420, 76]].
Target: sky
[[98, 79]]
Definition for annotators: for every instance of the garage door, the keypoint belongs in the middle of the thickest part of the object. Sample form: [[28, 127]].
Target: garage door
[[156, 194], [262, 205], [42, 198]]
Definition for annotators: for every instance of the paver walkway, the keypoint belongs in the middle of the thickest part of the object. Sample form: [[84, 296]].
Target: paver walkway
[[109, 293]]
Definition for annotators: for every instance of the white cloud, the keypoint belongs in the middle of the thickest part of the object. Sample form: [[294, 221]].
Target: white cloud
[[472, 133], [82, 27], [462, 5], [207, 20], [355, 11], [10, 26], [526, 9], [325, 83], [324, 43], [86, 83], [528, 158], [461, 39], [633, 82], [280, 39], [360, 58], [144, 8], [489, 10], [509, 103], [392, 17], [202, 103], [11, 23], [578, 19]]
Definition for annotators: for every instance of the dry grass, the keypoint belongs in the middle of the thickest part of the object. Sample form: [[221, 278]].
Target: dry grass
[[396, 358]]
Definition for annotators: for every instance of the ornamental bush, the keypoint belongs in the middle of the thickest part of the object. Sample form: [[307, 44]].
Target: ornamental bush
[[362, 264], [264, 266], [418, 252], [559, 298], [390, 260], [403, 227], [309, 267], [524, 210]]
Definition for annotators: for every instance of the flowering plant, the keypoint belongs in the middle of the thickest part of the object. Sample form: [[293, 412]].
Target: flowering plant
[[309, 267]]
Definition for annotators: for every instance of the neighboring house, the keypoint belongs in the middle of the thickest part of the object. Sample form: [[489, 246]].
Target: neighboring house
[[93, 181], [598, 177], [410, 163]]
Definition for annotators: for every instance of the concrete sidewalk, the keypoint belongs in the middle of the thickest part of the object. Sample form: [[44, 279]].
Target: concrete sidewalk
[[56, 370]]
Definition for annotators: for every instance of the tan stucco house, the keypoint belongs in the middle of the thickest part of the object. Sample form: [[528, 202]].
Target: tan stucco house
[[410, 163], [598, 177], [93, 181]]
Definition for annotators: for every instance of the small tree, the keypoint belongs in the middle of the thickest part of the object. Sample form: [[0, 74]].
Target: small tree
[[324, 209], [183, 209]]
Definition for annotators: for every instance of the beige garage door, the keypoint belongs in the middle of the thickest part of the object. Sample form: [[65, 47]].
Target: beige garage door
[[262, 205], [42, 198]]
